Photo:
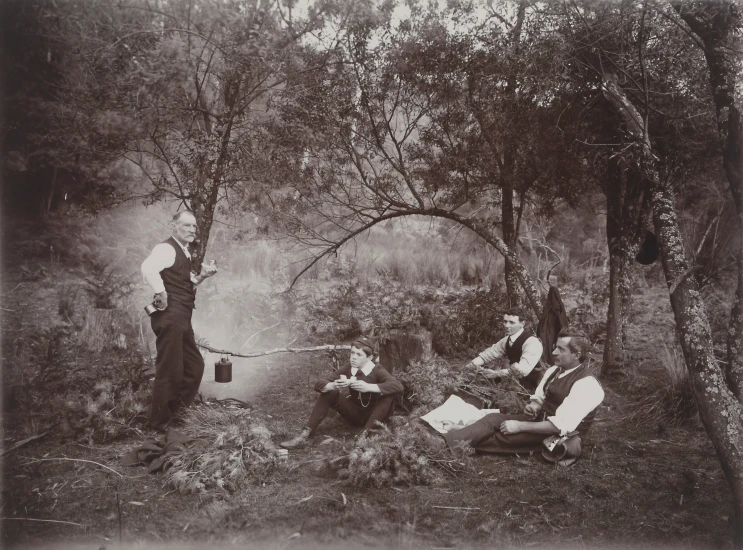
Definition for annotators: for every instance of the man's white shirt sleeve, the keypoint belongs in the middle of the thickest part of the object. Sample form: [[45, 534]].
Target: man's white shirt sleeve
[[585, 395], [496, 351], [161, 257]]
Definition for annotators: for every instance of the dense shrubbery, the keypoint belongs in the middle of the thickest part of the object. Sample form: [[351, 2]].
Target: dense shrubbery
[[95, 398], [429, 383], [591, 300], [465, 322], [461, 321]]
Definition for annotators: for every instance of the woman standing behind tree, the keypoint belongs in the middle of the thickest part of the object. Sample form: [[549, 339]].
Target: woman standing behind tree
[[370, 393]]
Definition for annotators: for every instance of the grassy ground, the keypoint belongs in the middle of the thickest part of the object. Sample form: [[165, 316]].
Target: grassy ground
[[633, 487], [640, 483]]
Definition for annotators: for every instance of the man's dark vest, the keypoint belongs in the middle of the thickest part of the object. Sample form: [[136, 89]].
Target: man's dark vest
[[559, 388], [177, 278], [513, 352]]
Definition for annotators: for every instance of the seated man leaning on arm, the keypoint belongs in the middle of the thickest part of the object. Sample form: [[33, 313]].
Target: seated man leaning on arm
[[565, 401], [362, 392], [522, 349]]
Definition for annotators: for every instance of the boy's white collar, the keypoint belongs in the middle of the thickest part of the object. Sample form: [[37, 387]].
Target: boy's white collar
[[366, 369]]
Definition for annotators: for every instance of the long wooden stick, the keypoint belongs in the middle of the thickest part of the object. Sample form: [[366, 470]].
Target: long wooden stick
[[272, 351], [260, 332]]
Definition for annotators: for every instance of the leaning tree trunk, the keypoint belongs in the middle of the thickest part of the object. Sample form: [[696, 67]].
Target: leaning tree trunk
[[717, 25], [719, 409]]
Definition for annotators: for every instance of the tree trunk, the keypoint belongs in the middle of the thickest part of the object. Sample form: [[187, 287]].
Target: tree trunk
[[403, 346], [719, 409], [105, 329], [510, 236], [47, 206], [627, 210], [614, 340], [614, 192], [508, 177], [527, 283]]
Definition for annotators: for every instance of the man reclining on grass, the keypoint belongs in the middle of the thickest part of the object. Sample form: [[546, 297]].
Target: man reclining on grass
[[369, 399], [520, 347], [564, 402]]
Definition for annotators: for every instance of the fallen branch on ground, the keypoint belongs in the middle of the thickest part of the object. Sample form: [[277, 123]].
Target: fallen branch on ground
[[272, 351], [454, 508], [45, 521], [78, 460], [19, 444]]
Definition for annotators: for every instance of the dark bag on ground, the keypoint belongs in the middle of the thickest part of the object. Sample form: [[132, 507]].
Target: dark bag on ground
[[563, 450]]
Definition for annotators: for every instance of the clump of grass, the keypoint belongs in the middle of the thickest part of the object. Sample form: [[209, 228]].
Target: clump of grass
[[231, 449], [672, 401], [67, 295]]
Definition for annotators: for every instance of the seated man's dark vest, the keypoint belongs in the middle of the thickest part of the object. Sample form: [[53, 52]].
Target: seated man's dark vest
[[177, 278], [559, 388], [513, 352]]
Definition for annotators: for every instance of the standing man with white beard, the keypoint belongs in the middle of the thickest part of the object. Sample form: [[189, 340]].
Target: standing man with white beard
[[179, 365]]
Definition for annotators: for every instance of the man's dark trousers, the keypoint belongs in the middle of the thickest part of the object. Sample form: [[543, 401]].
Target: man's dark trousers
[[485, 436], [347, 407], [179, 365]]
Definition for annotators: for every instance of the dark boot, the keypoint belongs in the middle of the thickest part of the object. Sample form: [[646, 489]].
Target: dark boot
[[297, 442]]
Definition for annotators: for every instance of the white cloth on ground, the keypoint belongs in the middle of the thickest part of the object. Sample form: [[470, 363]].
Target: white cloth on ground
[[454, 414]]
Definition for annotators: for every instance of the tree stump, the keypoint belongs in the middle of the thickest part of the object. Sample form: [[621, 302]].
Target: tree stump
[[105, 329], [403, 346]]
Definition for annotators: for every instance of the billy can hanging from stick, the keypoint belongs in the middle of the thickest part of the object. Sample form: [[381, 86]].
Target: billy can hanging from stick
[[223, 370]]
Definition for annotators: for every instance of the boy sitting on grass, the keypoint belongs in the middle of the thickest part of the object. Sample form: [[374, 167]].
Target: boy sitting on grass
[[362, 392]]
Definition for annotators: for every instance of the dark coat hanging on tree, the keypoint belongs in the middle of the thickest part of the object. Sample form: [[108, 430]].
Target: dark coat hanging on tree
[[554, 318]]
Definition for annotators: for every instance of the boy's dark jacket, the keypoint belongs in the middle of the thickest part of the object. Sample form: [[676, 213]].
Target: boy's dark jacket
[[388, 384]]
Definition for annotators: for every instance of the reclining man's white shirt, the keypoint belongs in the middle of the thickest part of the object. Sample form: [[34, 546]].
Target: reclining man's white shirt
[[585, 395]]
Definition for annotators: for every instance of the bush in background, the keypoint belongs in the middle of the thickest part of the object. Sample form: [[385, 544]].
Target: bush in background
[[462, 321]]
